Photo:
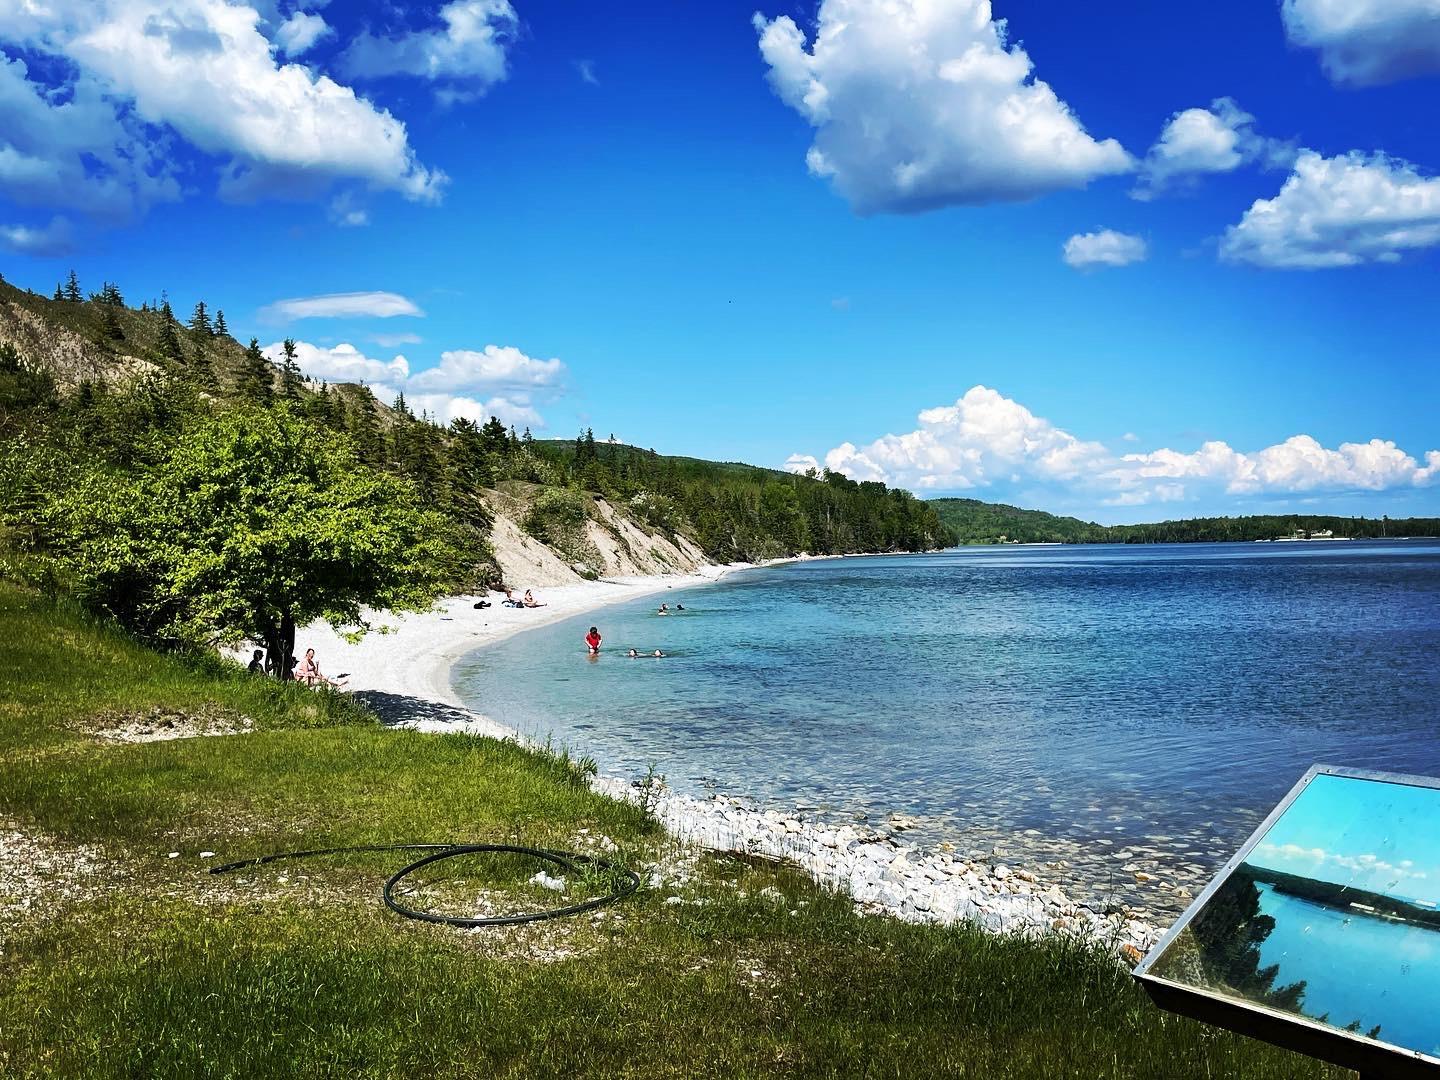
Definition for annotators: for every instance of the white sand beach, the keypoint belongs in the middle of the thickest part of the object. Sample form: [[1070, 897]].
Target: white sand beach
[[402, 667]]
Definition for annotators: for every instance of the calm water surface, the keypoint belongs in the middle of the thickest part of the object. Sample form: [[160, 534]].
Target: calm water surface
[[1111, 706], [1357, 969]]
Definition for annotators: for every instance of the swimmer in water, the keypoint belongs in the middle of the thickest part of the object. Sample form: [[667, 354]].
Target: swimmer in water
[[657, 652], [664, 610], [632, 654], [592, 641]]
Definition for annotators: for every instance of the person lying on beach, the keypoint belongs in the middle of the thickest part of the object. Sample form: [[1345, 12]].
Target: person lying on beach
[[592, 641], [510, 600], [530, 600]]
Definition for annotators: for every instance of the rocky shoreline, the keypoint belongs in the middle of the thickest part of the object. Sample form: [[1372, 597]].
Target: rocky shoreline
[[885, 874]]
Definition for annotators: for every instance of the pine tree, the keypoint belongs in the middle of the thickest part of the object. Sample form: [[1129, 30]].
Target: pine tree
[[165, 309], [200, 321], [290, 378], [221, 330], [59, 292], [110, 294], [170, 342], [493, 437], [72, 289], [112, 322], [256, 377]]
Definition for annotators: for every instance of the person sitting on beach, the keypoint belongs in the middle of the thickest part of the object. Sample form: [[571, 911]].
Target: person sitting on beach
[[530, 600], [510, 600], [257, 663], [310, 673], [592, 641]]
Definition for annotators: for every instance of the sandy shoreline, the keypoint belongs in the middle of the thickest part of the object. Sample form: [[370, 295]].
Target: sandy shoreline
[[404, 665]]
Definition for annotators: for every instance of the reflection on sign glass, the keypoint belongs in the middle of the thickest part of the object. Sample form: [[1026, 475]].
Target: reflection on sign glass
[[1333, 915]]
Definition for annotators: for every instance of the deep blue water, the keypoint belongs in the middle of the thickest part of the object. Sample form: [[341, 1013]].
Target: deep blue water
[[1160, 698]]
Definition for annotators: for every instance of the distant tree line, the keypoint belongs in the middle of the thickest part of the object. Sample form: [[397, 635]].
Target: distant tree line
[[975, 522]]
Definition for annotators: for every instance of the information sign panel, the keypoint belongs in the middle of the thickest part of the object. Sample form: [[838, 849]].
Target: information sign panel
[[1323, 933]]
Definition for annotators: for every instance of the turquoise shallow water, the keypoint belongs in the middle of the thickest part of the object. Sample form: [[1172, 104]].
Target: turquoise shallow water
[[1155, 701]]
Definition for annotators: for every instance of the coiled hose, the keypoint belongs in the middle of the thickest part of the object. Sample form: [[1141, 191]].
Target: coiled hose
[[627, 881]]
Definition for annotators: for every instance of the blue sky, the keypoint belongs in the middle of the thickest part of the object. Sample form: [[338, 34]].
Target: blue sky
[[1134, 263], [1376, 836]]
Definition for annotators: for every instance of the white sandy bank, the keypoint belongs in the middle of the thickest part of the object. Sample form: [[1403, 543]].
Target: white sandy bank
[[407, 668]]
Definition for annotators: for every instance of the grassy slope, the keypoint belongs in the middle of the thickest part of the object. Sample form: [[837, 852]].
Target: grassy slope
[[168, 973]]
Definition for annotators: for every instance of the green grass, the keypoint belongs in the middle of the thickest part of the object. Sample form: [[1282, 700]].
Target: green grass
[[298, 970]]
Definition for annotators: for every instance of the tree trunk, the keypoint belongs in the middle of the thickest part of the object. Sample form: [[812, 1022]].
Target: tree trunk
[[287, 642]]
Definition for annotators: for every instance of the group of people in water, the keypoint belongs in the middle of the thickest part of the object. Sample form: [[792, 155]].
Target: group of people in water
[[593, 639], [306, 670]]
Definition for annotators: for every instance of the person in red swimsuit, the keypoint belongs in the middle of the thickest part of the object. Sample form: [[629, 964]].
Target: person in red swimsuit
[[592, 641]]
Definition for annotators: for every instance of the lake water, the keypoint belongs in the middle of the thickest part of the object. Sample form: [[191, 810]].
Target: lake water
[[1357, 969], [1098, 709]]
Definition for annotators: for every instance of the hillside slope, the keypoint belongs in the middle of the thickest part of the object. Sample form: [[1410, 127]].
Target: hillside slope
[[105, 388]]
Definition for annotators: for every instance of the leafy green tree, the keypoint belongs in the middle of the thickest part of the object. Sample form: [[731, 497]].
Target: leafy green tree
[[252, 523]]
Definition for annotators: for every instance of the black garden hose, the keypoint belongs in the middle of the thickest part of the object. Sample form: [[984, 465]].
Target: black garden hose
[[628, 880]]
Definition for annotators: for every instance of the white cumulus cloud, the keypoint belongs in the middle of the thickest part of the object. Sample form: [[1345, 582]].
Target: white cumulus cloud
[[123, 76], [496, 367], [1085, 251], [300, 32], [343, 363], [467, 52], [370, 305], [1339, 211], [56, 238], [1195, 142], [918, 104], [498, 380], [81, 151], [985, 438], [1367, 42]]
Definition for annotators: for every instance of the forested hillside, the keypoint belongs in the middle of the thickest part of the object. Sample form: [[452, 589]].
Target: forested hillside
[[180, 481], [975, 522]]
